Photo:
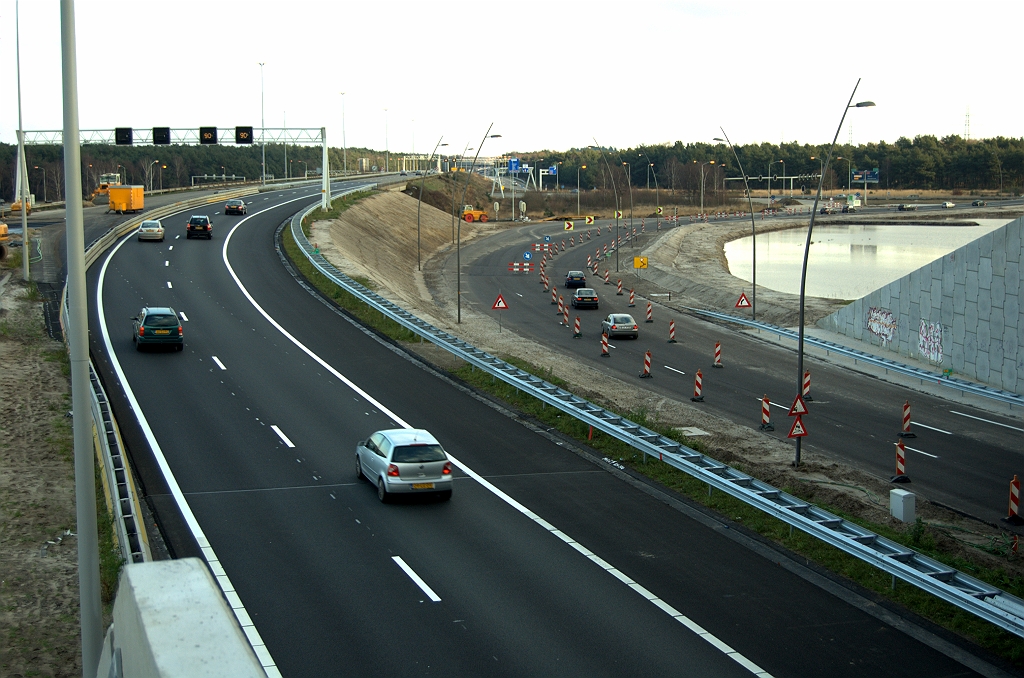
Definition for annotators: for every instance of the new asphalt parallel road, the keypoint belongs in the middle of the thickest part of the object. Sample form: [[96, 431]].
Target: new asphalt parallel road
[[962, 456], [545, 562]]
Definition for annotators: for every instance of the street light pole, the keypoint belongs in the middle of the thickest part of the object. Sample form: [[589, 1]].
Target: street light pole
[[387, 152], [263, 131], [581, 167], [711, 162], [419, 203], [616, 192], [629, 183], [344, 145], [753, 228], [44, 180], [807, 250], [458, 245], [149, 173], [657, 194]]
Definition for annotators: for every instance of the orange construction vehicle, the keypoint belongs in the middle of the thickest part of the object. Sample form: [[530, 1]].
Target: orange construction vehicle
[[470, 215]]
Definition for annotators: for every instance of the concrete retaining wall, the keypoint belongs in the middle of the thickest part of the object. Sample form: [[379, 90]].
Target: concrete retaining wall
[[962, 312]]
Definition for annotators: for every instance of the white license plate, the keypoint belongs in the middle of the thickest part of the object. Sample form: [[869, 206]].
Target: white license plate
[[423, 486]]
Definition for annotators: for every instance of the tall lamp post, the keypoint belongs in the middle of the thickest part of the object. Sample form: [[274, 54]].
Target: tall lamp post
[[263, 132], [770, 181], [657, 194], [419, 203], [162, 168], [710, 162], [344, 145], [387, 151], [629, 183], [849, 173], [807, 250], [458, 244], [43, 169], [611, 174], [821, 164], [149, 173], [753, 228], [581, 167]]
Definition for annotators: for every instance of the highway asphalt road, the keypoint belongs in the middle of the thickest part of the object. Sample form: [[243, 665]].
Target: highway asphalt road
[[545, 562], [962, 456]]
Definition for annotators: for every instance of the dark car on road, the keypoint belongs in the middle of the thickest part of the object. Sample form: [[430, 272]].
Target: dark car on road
[[907, 208], [234, 207], [849, 208], [828, 210], [157, 325], [978, 203], [199, 226], [584, 297], [575, 279]]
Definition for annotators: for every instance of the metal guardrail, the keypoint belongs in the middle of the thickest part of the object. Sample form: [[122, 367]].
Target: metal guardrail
[[952, 586], [900, 368], [125, 504]]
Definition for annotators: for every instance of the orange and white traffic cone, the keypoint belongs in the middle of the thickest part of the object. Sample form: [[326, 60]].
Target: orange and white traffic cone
[[906, 432], [901, 464], [766, 415], [646, 374], [698, 388]]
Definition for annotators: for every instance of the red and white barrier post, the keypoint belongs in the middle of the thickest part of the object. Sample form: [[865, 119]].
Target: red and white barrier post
[[607, 277], [766, 415], [576, 334], [561, 305], [632, 296], [906, 432], [807, 386], [1013, 514], [619, 292], [698, 388], [671, 331], [650, 313], [604, 346], [565, 316], [646, 374], [718, 355], [554, 295], [589, 262], [901, 464]]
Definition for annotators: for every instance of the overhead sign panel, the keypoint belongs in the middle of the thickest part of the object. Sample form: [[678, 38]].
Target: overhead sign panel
[[123, 136], [161, 136], [207, 135], [870, 176], [243, 135]]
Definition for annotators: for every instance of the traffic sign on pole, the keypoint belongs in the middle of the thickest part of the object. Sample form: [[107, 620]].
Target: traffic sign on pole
[[568, 226], [499, 304], [618, 214], [797, 430], [589, 220], [743, 302], [527, 255], [799, 407]]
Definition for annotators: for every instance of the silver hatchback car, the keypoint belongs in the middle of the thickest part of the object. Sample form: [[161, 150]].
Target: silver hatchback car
[[403, 461]]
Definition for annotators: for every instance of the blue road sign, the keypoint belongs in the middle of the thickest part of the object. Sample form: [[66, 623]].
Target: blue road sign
[[527, 256], [513, 164], [547, 238], [553, 169]]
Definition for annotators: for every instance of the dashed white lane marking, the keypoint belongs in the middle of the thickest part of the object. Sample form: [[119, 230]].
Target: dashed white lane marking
[[781, 407], [674, 369], [931, 428], [177, 236], [167, 263], [183, 316], [927, 454], [282, 436], [416, 579], [169, 285], [219, 363], [170, 247], [987, 421]]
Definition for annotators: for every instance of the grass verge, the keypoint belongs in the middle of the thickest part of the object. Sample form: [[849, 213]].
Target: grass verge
[[920, 536], [338, 205]]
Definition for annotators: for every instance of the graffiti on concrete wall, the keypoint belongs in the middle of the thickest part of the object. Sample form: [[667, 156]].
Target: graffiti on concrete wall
[[882, 324], [929, 341]]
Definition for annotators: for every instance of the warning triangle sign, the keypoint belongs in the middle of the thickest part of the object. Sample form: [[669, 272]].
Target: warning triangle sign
[[499, 304], [799, 407], [797, 430], [743, 302]]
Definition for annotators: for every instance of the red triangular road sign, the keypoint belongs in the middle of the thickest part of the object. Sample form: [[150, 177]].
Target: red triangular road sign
[[743, 302], [798, 430], [799, 407], [499, 304]]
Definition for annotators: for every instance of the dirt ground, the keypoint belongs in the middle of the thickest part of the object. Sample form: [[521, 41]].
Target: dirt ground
[[39, 627], [697, 271]]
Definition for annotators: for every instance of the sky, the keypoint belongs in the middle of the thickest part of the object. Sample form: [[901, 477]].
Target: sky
[[555, 74]]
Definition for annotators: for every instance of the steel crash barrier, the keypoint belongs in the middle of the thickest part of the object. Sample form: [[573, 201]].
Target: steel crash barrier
[[945, 379], [952, 586], [117, 476]]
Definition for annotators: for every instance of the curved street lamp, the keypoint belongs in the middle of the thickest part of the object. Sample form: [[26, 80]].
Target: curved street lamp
[[807, 250], [458, 243], [710, 162], [419, 203], [657, 193], [629, 183], [581, 167], [611, 174], [753, 228], [149, 173], [43, 169]]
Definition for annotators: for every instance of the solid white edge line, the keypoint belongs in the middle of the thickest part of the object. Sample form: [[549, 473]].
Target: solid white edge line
[[465, 469], [674, 369], [281, 435], [987, 421], [781, 407], [219, 363], [212, 560], [183, 316], [169, 285], [927, 454], [930, 428], [416, 579]]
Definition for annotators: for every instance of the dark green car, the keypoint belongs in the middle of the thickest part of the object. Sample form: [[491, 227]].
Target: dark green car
[[156, 325]]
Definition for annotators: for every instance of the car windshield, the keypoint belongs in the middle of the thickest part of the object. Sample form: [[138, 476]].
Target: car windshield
[[199, 220], [575, 274], [414, 454], [161, 321], [234, 202], [151, 224]]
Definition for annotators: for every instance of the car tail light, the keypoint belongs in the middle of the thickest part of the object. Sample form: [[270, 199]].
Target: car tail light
[[634, 327], [392, 470], [179, 330], [615, 327], [142, 331], [447, 469]]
